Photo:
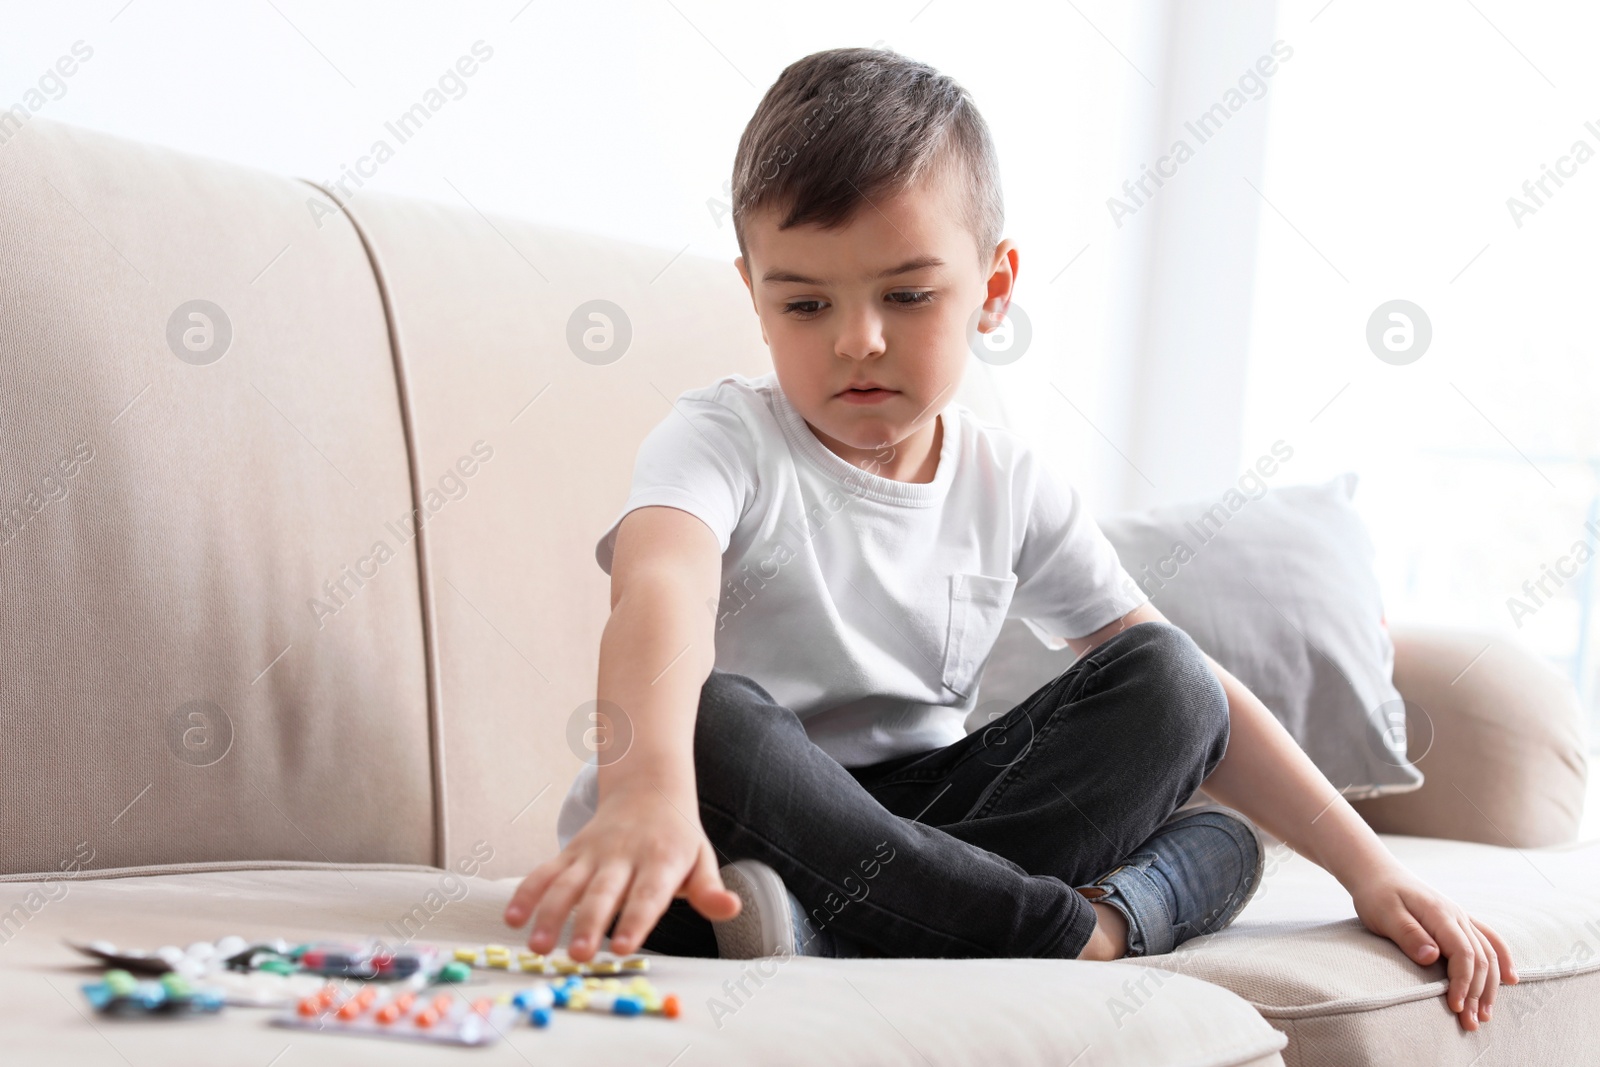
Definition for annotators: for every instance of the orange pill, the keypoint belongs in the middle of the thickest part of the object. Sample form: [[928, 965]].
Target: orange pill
[[670, 1006], [483, 1006], [349, 1009], [404, 1001], [367, 996], [442, 1002], [388, 1013], [427, 1017], [310, 1006], [327, 994]]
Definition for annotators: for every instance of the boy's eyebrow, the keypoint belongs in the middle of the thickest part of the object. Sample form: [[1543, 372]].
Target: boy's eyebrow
[[919, 263]]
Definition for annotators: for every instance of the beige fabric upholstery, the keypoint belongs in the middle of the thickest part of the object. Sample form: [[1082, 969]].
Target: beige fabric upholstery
[[1498, 735], [1349, 998], [215, 501], [803, 1011]]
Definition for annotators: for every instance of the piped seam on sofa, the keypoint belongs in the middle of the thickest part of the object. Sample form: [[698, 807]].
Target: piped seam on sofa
[[91, 874], [430, 630], [1388, 1000]]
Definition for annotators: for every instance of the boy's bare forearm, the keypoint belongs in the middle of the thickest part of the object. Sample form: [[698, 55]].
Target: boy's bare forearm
[[655, 654], [1267, 776]]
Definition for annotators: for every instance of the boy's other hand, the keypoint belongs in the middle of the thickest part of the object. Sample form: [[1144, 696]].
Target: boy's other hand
[[1427, 925], [636, 854]]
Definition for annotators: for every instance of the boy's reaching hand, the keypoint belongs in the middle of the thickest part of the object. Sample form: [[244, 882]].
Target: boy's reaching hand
[[1426, 924], [638, 852]]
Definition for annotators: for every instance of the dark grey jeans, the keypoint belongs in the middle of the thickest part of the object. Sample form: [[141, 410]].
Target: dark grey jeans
[[973, 849]]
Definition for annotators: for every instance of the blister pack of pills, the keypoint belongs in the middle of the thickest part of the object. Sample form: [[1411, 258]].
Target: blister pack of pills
[[191, 962], [403, 1012], [521, 961], [120, 993]]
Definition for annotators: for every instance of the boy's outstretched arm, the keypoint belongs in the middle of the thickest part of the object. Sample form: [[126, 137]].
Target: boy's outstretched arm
[[645, 844], [1267, 776]]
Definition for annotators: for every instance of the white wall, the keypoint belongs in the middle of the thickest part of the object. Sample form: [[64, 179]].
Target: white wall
[[623, 118]]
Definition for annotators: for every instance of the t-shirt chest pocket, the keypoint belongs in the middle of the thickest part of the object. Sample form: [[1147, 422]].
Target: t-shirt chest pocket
[[978, 605]]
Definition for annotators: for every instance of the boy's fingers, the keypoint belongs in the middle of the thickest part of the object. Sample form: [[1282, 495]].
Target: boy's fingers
[[598, 905], [648, 899], [1508, 970], [1461, 952], [527, 894], [1415, 941], [1489, 964], [557, 904], [707, 893]]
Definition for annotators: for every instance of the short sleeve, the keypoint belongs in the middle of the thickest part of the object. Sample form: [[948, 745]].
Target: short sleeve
[[699, 459], [1070, 581]]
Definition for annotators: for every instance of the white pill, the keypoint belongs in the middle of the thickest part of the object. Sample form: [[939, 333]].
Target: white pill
[[200, 950], [169, 953], [231, 945]]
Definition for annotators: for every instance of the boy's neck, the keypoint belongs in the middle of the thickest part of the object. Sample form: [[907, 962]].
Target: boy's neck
[[916, 459]]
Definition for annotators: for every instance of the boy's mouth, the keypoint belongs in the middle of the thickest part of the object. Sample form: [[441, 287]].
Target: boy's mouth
[[867, 395]]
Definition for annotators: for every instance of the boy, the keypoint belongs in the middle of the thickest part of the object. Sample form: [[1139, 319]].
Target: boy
[[793, 763]]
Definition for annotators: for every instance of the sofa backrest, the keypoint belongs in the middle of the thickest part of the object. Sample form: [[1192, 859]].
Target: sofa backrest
[[305, 572]]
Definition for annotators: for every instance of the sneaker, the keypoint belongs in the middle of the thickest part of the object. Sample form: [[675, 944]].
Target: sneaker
[[1193, 876], [771, 921]]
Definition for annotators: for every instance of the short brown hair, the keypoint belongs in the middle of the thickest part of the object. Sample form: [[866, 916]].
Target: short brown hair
[[849, 125]]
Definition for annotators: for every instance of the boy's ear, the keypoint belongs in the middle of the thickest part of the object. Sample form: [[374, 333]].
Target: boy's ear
[[1002, 280]]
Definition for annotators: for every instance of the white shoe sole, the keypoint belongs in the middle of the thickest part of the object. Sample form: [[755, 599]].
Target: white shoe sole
[[763, 926]]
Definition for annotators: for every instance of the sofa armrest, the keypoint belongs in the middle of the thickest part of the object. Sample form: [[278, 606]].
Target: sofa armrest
[[1498, 735]]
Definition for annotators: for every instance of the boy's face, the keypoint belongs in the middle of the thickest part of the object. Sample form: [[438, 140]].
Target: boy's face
[[834, 315]]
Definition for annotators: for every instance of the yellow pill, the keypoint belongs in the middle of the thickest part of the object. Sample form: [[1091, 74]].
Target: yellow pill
[[467, 955], [636, 963]]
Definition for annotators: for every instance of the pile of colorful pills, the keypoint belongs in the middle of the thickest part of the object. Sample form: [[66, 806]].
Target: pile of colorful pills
[[121, 993], [403, 1013], [501, 958], [635, 997]]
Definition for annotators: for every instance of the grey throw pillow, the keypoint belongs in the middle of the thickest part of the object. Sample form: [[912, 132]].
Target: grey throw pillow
[[1279, 588]]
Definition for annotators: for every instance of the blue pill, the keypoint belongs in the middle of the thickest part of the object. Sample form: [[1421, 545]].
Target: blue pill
[[539, 1016], [627, 1005]]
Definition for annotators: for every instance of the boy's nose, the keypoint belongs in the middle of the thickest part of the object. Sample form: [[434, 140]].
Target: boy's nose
[[861, 337]]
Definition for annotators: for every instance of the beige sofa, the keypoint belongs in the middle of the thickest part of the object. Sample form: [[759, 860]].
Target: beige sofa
[[243, 693]]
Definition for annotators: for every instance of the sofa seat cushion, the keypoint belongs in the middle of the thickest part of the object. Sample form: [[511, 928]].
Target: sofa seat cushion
[[1347, 997], [796, 1011]]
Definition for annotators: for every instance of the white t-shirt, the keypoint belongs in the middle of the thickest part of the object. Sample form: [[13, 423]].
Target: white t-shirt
[[868, 606]]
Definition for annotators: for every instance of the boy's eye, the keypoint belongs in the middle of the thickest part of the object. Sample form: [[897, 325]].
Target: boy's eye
[[804, 309]]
